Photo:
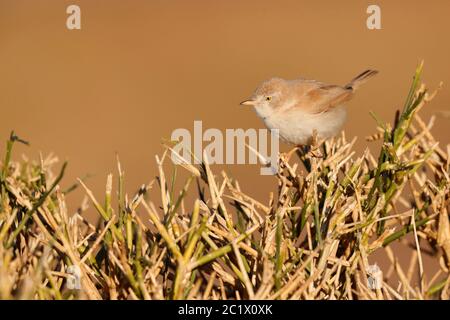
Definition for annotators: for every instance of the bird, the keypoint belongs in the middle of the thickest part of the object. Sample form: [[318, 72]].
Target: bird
[[304, 110]]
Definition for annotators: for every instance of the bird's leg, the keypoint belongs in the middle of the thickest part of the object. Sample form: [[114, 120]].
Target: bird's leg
[[315, 146]]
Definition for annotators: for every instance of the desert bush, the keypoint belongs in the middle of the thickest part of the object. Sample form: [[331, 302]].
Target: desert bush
[[311, 240]]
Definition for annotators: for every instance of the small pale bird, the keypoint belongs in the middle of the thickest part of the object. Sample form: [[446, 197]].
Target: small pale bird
[[300, 107]]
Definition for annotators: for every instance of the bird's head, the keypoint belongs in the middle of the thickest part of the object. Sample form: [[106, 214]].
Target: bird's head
[[268, 96]]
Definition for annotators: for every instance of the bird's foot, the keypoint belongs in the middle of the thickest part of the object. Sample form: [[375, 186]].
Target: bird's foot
[[315, 152]]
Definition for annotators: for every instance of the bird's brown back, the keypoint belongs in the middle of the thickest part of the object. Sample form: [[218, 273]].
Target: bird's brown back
[[317, 97]]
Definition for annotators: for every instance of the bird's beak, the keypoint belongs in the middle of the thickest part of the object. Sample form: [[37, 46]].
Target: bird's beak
[[248, 103]]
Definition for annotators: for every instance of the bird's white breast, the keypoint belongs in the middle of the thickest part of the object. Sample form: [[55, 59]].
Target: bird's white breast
[[297, 126]]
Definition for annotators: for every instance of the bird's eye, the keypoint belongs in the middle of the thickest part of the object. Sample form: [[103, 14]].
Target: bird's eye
[[268, 98]]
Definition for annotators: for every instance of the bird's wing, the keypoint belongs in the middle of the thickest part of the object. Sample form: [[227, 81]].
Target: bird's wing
[[318, 97], [326, 97]]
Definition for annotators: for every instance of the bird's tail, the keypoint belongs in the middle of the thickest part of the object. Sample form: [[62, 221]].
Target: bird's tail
[[360, 79]]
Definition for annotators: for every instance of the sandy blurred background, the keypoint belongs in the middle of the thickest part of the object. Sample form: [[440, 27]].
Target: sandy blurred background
[[137, 70]]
